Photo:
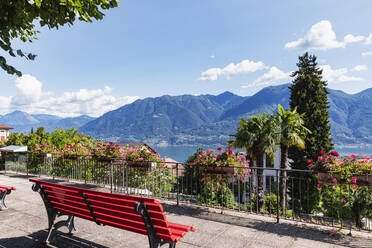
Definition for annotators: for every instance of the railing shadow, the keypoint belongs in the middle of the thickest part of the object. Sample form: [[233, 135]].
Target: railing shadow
[[281, 229]]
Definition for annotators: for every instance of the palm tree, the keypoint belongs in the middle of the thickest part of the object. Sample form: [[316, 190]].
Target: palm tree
[[256, 135], [290, 130]]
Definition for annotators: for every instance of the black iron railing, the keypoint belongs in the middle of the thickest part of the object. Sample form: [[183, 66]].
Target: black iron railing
[[300, 195]]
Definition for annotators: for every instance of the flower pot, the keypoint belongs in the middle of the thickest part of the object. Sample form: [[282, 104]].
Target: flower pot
[[220, 170], [71, 156], [102, 159], [364, 180], [326, 178], [139, 164]]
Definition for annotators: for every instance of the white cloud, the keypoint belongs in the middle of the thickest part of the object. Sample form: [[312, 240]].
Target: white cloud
[[29, 90], [366, 53], [337, 75], [360, 68], [322, 37], [368, 40], [243, 67], [271, 77], [212, 56], [31, 99]]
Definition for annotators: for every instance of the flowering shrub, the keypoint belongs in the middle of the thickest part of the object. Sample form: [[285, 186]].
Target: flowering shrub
[[75, 150], [209, 185], [344, 200], [141, 155], [103, 151], [227, 157], [345, 169], [41, 149]]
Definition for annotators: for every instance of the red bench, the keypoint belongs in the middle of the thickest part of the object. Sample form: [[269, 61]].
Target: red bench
[[136, 214], [4, 190]]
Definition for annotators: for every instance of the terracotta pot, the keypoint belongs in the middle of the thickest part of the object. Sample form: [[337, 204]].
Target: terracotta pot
[[103, 159], [364, 180], [139, 164], [220, 170], [326, 178]]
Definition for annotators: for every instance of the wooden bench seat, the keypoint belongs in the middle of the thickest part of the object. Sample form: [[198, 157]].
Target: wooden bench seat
[[137, 214], [4, 190]]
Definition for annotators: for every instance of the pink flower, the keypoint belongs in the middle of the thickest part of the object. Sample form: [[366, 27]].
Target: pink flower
[[334, 153], [334, 180], [219, 148], [319, 186], [321, 153], [343, 200], [354, 180], [310, 161]]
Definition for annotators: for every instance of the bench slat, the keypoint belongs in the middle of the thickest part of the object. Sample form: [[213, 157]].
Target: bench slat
[[127, 213], [128, 207], [140, 231], [181, 227]]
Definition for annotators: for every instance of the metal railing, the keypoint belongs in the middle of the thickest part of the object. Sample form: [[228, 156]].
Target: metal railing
[[282, 194]]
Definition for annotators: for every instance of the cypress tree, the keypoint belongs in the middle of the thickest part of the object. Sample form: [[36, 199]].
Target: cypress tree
[[309, 94]]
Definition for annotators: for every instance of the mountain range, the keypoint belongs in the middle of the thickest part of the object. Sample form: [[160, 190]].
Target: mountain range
[[23, 122], [209, 119], [203, 119]]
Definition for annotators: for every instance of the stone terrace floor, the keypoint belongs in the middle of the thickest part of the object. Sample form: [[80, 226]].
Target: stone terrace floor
[[24, 225]]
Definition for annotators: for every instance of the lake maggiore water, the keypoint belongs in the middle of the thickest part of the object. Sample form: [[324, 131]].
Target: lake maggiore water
[[181, 153]]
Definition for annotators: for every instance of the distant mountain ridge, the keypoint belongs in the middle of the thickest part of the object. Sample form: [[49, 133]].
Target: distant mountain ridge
[[210, 119], [23, 122]]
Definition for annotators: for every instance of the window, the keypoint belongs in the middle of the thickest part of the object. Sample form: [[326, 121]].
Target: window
[[269, 164]]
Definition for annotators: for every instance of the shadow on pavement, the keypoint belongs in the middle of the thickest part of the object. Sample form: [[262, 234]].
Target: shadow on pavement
[[36, 240], [282, 229]]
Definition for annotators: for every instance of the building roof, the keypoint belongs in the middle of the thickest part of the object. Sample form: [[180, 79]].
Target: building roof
[[14, 149], [136, 145], [5, 127]]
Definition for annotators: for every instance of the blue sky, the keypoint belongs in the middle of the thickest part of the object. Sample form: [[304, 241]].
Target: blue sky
[[151, 48]]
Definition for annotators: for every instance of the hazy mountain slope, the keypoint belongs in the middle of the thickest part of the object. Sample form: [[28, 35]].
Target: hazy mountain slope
[[23, 122]]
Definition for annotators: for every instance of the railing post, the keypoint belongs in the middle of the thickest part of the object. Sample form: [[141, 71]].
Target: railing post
[[52, 159], [85, 169], [277, 196], [178, 186], [111, 175]]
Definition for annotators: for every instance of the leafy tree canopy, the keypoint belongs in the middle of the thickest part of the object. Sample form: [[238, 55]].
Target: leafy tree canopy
[[18, 20]]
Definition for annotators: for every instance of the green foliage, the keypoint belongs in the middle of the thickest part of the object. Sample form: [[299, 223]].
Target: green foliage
[[58, 138], [18, 19], [309, 96], [217, 193], [346, 202]]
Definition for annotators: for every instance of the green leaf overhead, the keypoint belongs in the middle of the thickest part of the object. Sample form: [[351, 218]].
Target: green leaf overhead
[[19, 17]]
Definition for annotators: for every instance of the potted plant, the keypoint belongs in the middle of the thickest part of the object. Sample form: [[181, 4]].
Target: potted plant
[[352, 169], [142, 157], [223, 161]]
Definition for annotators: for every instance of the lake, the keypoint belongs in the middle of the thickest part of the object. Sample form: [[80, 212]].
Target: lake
[[181, 153]]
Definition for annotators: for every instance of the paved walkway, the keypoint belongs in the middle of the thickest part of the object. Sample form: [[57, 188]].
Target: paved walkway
[[24, 225]]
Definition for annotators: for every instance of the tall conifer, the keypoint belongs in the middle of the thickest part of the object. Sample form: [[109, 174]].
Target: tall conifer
[[309, 94]]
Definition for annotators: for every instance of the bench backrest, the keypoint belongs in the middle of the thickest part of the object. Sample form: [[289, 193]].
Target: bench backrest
[[106, 208]]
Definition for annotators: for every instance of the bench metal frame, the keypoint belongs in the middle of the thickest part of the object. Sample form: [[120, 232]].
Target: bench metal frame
[[2, 199]]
